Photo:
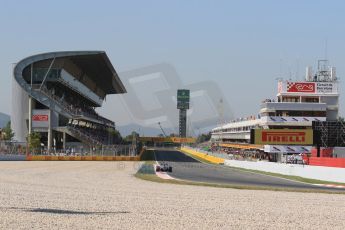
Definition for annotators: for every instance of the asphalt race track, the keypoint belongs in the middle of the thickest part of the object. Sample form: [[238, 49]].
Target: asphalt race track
[[187, 168]]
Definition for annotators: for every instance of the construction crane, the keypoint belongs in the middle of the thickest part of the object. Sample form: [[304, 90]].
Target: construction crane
[[162, 129]]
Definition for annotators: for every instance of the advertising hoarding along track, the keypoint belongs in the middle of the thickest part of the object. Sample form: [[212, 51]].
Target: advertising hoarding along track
[[168, 139]]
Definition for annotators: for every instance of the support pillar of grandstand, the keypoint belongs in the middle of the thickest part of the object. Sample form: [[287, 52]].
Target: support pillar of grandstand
[[50, 132], [30, 101], [64, 140], [30, 114]]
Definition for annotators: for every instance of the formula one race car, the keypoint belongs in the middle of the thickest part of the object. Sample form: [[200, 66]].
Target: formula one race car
[[164, 167]]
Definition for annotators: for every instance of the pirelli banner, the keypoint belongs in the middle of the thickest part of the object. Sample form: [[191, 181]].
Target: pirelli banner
[[281, 136]]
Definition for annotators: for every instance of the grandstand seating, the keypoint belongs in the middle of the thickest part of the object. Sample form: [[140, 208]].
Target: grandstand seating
[[70, 85], [74, 110]]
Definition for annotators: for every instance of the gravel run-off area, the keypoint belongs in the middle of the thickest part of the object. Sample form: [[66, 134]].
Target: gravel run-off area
[[106, 195]]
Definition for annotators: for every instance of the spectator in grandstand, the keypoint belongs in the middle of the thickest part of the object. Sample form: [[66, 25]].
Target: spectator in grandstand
[[62, 97]]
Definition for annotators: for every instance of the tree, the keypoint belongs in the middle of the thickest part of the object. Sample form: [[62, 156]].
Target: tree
[[341, 119], [34, 141], [8, 133], [129, 138], [115, 136], [203, 137]]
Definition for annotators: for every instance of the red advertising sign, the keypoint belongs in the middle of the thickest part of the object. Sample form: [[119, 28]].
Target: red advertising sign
[[301, 87], [40, 117]]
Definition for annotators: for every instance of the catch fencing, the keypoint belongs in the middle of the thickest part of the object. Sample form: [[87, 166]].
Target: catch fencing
[[8, 148]]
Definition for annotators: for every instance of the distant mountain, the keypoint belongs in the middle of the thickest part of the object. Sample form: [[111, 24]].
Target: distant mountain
[[143, 131], [4, 118]]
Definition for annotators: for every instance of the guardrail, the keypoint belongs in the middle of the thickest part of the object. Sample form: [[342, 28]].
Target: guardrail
[[75, 157], [12, 148]]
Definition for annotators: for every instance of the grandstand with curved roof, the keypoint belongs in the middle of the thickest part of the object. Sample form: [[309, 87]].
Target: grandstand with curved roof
[[56, 94]]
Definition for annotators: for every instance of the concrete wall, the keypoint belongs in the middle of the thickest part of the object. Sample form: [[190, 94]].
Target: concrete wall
[[9, 157], [339, 151], [307, 171], [327, 162]]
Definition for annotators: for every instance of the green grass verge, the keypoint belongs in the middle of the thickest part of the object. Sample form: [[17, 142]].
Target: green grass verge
[[154, 178], [147, 169], [295, 178], [146, 172]]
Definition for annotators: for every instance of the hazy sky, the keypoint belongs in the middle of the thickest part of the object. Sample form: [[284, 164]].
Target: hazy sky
[[243, 46]]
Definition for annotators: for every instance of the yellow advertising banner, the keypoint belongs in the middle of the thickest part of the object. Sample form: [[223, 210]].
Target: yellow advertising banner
[[183, 139], [154, 139], [283, 136]]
